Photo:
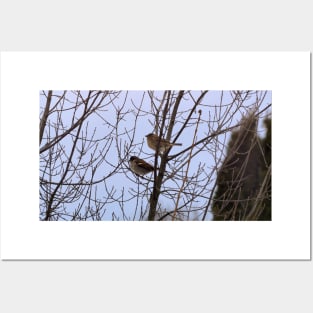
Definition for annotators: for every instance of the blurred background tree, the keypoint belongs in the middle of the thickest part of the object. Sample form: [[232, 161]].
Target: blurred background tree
[[244, 179]]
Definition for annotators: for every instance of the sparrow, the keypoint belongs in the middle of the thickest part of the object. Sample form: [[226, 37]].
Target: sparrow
[[153, 140], [139, 166]]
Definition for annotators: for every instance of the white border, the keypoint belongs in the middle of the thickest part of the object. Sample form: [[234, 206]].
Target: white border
[[24, 74]]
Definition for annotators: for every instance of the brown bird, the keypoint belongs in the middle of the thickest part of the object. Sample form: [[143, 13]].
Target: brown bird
[[139, 166], [153, 141]]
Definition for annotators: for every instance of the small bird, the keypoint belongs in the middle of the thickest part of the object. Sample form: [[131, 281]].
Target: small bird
[[153, 141], [139, 166]]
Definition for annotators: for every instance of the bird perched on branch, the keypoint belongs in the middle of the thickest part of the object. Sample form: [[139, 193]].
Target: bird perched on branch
[[139, 166], [153, 141]]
